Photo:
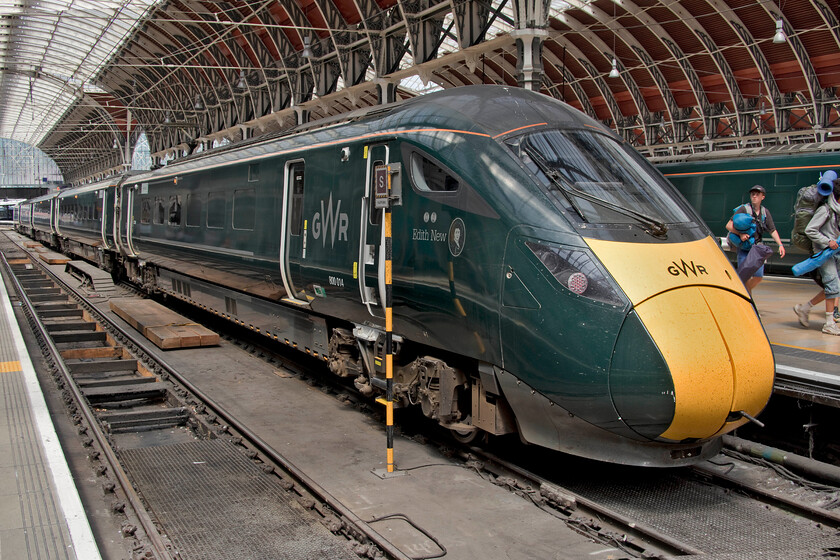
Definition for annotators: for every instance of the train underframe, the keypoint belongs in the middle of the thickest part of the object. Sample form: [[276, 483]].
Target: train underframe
[[459, 394]]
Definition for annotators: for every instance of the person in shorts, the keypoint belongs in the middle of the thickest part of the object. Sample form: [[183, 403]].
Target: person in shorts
[[764, 223]]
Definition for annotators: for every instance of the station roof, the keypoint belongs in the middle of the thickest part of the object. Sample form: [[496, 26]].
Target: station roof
[[78, 77]]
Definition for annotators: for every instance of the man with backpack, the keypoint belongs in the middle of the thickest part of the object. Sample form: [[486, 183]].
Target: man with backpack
[[823, 230], [764, 222]]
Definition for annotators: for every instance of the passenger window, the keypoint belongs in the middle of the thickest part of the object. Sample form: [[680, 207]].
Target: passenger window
[[216, 210], [428, 176], [159, 210], [244, 209], [145, 210], [193, 210], [175, 210], [253, 172], [296, 170]]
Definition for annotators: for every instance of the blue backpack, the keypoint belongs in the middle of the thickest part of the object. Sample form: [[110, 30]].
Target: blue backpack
[[745, 223]]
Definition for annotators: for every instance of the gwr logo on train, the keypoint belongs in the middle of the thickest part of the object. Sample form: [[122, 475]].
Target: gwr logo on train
[[686, 267], [330, 222]]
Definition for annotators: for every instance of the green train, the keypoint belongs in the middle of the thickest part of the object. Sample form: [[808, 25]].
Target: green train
[[546, 279], [716, 183]]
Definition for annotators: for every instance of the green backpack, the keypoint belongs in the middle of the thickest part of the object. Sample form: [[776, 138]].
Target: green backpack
[[807, 202]]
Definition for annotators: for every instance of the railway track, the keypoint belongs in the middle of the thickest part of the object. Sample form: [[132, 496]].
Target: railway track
[[681, 513], [633, 524], [707, 494], [127, 403]]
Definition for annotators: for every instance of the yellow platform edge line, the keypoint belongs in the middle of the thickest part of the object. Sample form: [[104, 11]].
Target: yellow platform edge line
[[9, 367], [805, 348]]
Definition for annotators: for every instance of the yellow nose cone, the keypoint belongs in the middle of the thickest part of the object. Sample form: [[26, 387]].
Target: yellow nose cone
[[718, 355]]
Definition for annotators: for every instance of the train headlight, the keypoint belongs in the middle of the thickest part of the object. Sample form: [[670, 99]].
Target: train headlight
[[577, 282], [577, 271]]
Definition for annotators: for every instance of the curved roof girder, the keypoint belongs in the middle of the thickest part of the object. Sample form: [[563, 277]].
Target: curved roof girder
[[609, 21], [710, 115], [571, 81], [597, 77]]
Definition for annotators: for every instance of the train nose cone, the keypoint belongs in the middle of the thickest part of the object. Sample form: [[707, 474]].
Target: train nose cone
[[686, 359]]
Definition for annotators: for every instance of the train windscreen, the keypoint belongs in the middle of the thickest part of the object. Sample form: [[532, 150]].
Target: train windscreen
[[599, 178]]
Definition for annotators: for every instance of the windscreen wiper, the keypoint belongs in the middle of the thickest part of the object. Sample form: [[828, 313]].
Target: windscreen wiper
[[554, 176], [654, 226]]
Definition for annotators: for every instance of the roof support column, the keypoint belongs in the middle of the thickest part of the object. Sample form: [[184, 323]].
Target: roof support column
[[531, 20], [301, 114], [529, 62], [386, 91]]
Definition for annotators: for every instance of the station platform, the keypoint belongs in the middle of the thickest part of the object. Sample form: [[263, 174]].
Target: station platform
[[805, 357], [41, 515]]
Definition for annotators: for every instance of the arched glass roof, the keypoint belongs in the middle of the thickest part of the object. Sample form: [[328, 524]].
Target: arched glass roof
[[51, 52], [81, 78]]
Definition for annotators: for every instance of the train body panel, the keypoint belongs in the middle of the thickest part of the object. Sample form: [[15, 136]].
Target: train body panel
[[518, 243], [84, 222]]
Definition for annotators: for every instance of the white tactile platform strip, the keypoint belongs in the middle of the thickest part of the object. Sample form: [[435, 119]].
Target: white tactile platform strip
[[41, 515]]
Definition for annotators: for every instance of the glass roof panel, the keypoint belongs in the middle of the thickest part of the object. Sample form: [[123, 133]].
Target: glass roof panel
[[53, 49]]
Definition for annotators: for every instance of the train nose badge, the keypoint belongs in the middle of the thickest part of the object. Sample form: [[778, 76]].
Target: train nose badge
[[457, 237]]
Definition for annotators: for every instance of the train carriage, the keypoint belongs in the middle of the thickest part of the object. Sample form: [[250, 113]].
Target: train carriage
[[546, 279], [85, 222]]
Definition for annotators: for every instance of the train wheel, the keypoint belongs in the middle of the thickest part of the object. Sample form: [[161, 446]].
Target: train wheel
[[466, 435]]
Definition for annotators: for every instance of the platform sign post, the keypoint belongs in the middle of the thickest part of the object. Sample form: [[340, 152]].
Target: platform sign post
[[385, 178]]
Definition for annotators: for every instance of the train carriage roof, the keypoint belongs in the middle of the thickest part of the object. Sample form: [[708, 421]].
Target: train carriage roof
[[490, 111]]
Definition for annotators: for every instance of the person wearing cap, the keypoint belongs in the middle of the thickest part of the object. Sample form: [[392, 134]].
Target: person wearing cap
[[823, 230], [764, 223]]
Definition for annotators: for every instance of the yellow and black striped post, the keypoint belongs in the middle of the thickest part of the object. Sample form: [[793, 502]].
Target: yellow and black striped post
[[386, 196], [389, 337]]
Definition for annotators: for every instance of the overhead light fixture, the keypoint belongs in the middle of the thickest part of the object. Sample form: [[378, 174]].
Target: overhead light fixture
[[763, 110], [614, 71], [198, 104], [116, 145], [167, 119], [307, 48], [241, 83], [780, 36]]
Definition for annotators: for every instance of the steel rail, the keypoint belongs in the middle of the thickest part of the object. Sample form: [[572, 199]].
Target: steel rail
[[246, 432], [631, 525], [155, 538], [286, 464]]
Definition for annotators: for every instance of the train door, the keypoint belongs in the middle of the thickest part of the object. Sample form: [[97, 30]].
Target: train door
[[124, 219], [293, 240], [371, 239], [106, 201]]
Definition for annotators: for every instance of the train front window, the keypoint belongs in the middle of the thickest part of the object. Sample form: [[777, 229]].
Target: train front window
[[599, 178]]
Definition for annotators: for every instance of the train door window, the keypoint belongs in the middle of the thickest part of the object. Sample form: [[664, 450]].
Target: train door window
[[174, 218], [296, 212], [253, 172], [160, 211], [145, 210], [244, 209], [374, 214], [193, 210], [428, 176], [216, 210]]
